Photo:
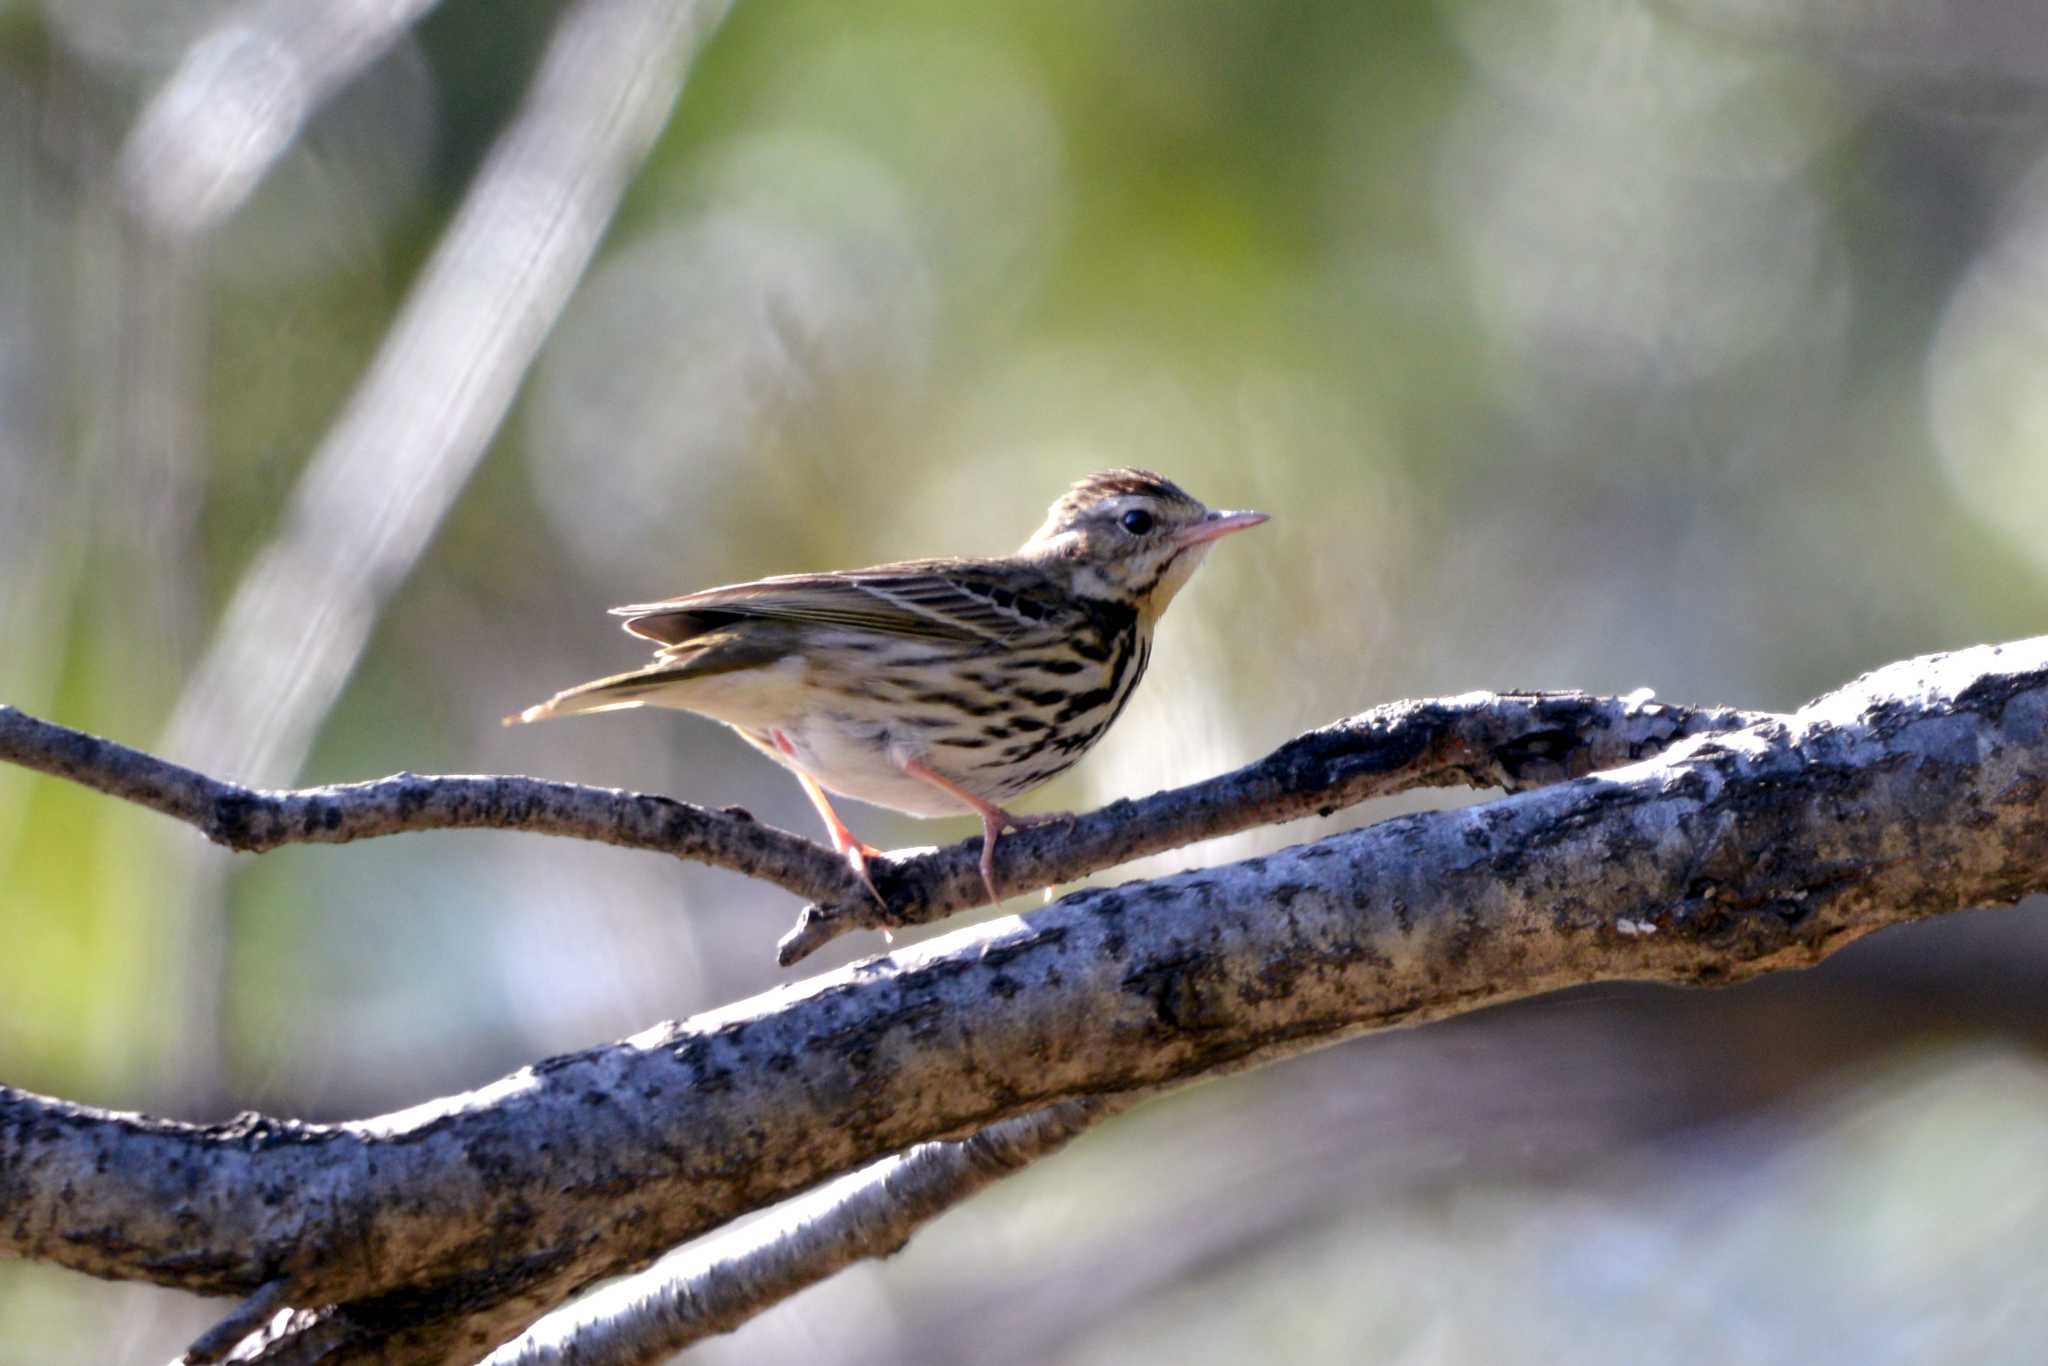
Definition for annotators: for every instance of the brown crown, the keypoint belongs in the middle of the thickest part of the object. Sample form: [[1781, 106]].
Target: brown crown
[[1114, 484]]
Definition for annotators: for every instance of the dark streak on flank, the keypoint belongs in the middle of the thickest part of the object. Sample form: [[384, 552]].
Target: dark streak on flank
[[960, 702], [1043, 697]]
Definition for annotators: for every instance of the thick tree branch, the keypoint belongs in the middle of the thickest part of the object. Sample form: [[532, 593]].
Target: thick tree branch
[[1915, 791]]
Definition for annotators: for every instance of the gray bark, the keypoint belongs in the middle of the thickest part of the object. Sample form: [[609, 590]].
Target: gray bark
[[1513, 741], [1914, 791]]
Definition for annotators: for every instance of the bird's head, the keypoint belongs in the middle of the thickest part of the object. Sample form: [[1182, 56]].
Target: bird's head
[[1129, 536]]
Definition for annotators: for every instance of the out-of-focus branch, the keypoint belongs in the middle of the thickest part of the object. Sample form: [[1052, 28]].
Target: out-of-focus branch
[[1513, 741], [687, 1297], [440, 384], [371, 496], [1914, 791], [253, 821], [240, 97]]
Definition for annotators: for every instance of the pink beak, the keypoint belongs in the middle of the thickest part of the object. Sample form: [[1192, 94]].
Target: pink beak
[[1219, 524]]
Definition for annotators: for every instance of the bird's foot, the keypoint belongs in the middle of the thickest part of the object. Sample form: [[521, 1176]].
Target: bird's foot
[[994, 821], [1038, 821], [844, 842], [857, 855]]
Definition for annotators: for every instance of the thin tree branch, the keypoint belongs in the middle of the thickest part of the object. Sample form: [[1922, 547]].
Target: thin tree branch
[[687, 1297], [1916, 791], [1515, 741], [252, 820], [248, 1317]]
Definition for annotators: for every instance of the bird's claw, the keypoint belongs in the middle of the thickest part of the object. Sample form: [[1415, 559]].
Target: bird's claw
[[857, 856], [999, 820]]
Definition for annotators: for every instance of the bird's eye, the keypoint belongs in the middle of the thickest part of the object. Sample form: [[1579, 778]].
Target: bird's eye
[[1137, 521]]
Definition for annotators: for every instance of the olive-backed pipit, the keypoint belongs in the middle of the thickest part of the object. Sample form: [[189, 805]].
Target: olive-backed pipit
[[934, 687]]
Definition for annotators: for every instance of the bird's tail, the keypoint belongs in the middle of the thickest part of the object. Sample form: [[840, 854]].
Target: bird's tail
[[616, 693]]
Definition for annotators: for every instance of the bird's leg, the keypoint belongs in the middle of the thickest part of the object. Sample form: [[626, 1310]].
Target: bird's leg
[[994, 820], [844, 842]]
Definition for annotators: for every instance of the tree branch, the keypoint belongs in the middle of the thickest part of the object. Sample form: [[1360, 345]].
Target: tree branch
[[240, 97], [370, 498], [1513, 741], [253, 820], [445, 373], [687, 1297], [1915, 791]]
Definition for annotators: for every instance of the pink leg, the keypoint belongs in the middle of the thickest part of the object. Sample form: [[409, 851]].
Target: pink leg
[[844, 842], [994, 820]]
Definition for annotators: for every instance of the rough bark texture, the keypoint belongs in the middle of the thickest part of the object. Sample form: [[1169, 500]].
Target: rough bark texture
[[1917, 790], [646, 1319], [1513, 741]]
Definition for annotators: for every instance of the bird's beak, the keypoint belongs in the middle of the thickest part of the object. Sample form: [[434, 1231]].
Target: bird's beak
[[1219, 524]]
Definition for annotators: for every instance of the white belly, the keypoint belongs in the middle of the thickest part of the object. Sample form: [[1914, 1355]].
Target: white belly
[[863, 761], [851, 755]]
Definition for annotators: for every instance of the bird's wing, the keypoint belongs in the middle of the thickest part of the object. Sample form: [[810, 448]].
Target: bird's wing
[[969, 601]]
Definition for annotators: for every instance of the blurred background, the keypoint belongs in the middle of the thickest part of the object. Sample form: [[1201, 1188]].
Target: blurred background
[[353, 362]]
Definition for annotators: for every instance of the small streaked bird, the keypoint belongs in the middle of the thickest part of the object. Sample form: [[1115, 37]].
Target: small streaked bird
[[933, 687]]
